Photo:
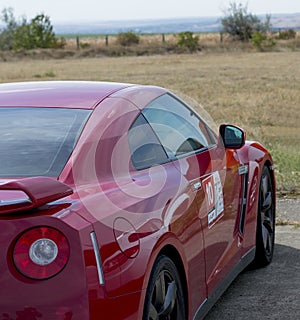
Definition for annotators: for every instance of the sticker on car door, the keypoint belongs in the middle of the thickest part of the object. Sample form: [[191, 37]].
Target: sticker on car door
[[214, 197]]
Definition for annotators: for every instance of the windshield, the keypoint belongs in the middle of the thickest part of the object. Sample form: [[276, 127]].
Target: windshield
[[38, 141]]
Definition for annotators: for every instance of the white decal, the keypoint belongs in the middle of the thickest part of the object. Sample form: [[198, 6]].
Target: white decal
[[214, 197]]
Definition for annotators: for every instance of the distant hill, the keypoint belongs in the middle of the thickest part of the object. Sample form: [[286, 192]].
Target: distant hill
[[286, 21], [208, 24], [195, 24]]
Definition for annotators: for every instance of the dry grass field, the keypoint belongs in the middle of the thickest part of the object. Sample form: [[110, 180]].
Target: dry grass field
[[208, 42], [258, 91]]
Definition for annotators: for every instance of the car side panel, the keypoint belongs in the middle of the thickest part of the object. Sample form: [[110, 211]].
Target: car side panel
[[255, 156]]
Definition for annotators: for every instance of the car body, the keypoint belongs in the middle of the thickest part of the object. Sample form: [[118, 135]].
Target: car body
[[118, 201]]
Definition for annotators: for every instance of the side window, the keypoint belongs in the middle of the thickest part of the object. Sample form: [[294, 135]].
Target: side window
[[146, 151], [178, 128]]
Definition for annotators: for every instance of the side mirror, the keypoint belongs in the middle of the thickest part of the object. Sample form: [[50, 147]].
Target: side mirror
[[233, 137]]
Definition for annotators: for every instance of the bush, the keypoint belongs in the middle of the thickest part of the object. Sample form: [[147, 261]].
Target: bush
[[287, 34], [241, 24], [188, 40], [261, 41], [258, 38], [127, 38]]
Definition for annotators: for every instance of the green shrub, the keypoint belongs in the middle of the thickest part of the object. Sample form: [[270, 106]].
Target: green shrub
[[84, 45], [261, 41], [287, 34], [49, 74], [258, 38], [127, 38], [188, 40]]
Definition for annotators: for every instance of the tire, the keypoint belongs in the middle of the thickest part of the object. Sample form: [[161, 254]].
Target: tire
[[265, 230], [164, 297]]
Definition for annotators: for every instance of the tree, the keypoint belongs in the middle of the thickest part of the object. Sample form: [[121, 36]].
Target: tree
[[242, 24], [7, 34], [38, 33]]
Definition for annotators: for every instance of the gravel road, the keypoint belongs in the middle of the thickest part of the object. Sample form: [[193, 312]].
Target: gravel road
[[288, 210], [272, 292]]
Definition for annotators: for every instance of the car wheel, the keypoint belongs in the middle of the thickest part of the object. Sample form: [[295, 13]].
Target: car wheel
[[164, 296], [265, 232]]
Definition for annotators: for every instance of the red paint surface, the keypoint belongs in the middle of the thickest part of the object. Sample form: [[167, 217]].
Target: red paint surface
[[131, 229]]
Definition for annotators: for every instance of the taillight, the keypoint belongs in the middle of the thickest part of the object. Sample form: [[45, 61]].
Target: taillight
[[41, 253]]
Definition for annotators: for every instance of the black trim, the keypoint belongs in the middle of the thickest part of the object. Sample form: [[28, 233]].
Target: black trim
[[140, 117], [211, 142], [212, 134], [221, 288], [244, 203]]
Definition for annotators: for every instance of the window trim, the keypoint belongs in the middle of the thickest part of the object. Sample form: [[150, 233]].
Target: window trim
[[168, 159], [209, 132], [56, 167], [212, 141]]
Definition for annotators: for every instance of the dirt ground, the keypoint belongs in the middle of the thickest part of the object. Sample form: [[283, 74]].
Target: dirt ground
[[272, 292]]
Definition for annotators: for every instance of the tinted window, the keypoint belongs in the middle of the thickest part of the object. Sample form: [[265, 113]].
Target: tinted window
[[146, 151], [38, 141], [177, 127]]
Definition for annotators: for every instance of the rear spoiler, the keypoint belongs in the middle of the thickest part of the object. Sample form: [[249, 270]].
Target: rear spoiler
[[30, 193]]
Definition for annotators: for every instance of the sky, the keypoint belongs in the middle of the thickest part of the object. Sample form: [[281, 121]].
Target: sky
[[107, 10]]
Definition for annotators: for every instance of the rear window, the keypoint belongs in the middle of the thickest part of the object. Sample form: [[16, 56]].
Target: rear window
[[38, 141]]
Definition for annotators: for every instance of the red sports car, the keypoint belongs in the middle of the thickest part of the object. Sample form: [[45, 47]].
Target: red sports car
[[118, 201]]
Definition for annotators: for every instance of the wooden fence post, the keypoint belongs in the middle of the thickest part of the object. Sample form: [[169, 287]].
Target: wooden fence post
[[77, 43], [106, 40]]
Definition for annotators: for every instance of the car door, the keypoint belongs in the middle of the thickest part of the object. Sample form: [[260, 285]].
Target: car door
[[219, 213], [212, 173], [169, 199]]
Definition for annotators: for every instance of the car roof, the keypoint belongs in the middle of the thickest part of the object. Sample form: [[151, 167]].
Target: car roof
[[57, 94]]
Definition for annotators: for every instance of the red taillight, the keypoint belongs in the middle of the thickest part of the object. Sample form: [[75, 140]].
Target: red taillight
[[40, 253]]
